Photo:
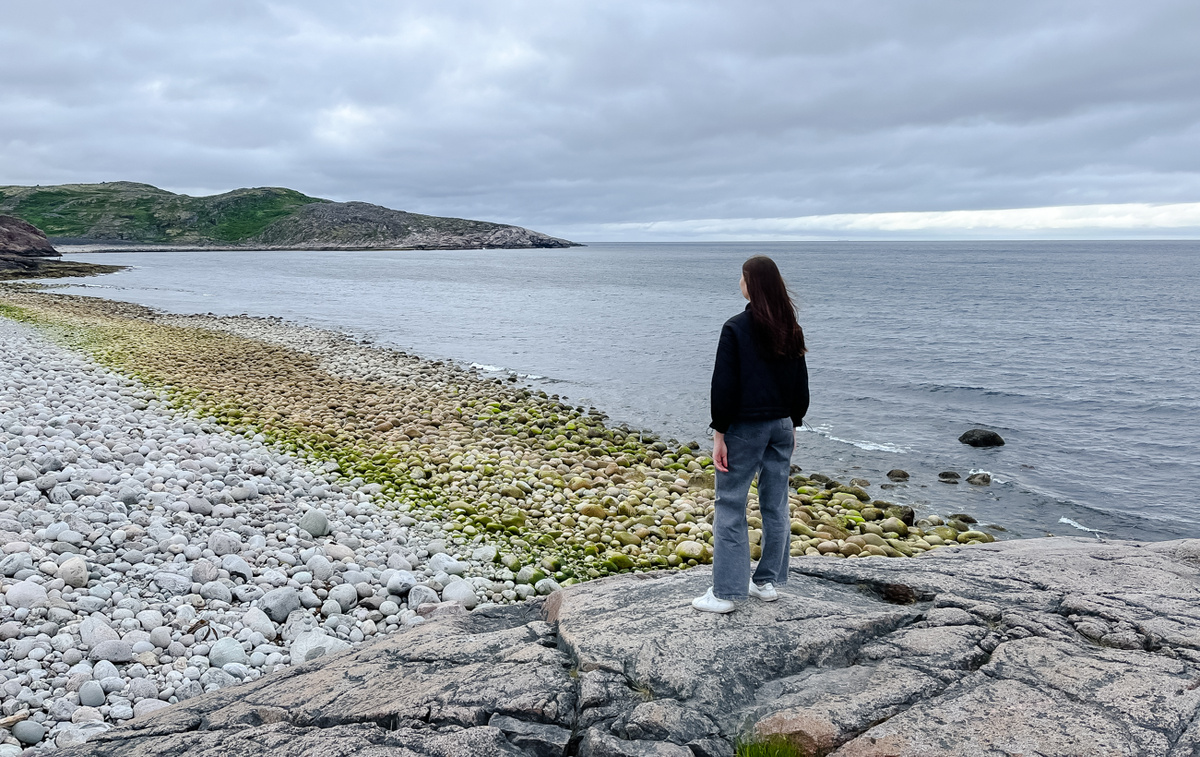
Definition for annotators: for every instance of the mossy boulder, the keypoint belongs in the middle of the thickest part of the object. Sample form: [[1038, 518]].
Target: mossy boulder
[[902, 512]]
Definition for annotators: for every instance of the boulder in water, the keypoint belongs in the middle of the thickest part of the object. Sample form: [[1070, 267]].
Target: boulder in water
[[979, 437]]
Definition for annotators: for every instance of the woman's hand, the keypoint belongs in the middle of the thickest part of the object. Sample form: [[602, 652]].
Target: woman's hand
[[720, 454]]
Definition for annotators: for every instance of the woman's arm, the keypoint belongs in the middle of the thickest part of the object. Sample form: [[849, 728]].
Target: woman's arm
[[726, 382], [720, 454], [799, 398]]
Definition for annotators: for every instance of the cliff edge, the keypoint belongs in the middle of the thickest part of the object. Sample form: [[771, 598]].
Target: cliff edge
[[18, 238], [1048, 646]]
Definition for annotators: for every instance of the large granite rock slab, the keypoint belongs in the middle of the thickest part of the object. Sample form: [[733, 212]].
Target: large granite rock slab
[[1048, 646]]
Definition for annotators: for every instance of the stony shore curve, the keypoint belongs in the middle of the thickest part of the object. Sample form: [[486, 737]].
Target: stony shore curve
[[190, 502]]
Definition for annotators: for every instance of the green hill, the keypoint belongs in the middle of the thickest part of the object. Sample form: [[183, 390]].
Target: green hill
[[123, 212]]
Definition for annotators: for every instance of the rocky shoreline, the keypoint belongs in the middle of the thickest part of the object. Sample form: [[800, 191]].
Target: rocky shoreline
[[190, 502], [15, 269], [26, 253]]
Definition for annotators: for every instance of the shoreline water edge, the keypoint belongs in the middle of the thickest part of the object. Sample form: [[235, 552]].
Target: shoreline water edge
[[192, 501]]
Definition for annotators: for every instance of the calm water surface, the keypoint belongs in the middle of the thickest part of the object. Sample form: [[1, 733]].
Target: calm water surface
[[1083, 356]]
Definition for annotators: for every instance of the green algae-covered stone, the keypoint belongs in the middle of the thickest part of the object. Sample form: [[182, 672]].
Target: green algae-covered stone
[[619, 561], [512, 518], [967, 536], [626, 538]]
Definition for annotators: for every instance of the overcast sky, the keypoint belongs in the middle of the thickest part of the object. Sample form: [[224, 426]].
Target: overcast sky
[[631, 120]]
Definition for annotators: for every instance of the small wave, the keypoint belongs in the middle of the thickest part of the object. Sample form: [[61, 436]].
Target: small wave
[[500, 369], [861, 444], [982, 390], [1080, 526]]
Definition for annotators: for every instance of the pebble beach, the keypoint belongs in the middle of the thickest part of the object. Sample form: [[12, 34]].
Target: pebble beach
[[189, 502]]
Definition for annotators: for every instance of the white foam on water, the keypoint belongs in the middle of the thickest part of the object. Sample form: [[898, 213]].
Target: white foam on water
[[487, 368], [824, 430], [995, 479], [1080, 526]]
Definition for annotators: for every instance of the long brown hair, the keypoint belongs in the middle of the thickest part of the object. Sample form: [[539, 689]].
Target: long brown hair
[[772, 308]]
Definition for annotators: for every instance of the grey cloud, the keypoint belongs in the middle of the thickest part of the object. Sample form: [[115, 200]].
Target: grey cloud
[[570, 115]]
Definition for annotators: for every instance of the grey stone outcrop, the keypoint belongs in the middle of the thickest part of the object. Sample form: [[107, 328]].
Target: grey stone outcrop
[[1049, 646], [20, 238]]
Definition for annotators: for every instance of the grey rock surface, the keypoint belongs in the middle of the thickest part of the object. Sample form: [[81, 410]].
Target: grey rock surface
[[226, 651], [74, 572], [28, 732], [987, 649], [18, 237], [25, 594], [314, 522], [310, 645], [112, 651], [420, 595], [91, 694], [279, 603], [461, 592]]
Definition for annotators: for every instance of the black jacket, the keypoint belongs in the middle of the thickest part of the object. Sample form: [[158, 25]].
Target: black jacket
[[746, 386]]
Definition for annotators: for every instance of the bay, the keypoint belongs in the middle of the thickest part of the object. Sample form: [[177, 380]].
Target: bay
[[1082, 355]]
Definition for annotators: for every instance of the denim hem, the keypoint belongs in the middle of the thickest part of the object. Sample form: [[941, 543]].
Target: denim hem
[[780, 582], [740, 598]]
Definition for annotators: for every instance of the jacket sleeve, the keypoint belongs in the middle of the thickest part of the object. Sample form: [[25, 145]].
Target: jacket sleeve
[[799, 393], [726, 381]]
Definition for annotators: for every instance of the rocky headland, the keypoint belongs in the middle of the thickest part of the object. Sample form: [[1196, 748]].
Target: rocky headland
[[26, 253], [20, 238], [129, 216]]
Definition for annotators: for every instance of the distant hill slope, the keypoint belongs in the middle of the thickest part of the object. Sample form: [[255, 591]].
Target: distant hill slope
[[122, 213]]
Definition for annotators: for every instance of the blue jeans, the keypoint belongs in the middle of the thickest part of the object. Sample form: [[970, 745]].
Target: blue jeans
[[765, 448]]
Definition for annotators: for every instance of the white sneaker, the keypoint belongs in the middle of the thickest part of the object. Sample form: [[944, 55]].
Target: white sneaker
[[766, 592], [709, 603]]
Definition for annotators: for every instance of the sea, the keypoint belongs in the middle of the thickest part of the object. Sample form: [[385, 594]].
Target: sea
[[1083, 356]]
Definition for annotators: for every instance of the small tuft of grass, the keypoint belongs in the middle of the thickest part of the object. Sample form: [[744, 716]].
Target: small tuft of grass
[[643, 691], [774, 746]]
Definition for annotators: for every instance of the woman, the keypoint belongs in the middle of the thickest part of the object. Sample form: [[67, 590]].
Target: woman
[[759, 396]]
